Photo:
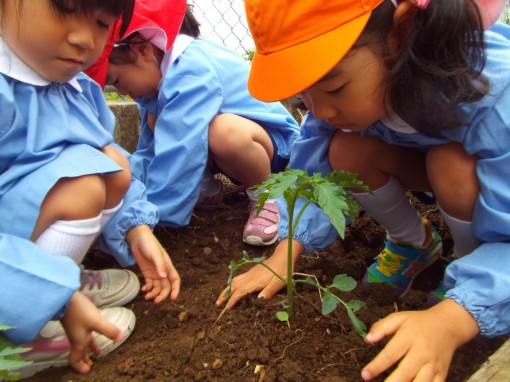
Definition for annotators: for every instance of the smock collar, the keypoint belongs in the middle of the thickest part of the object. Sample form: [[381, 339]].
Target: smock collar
[[11, 65]]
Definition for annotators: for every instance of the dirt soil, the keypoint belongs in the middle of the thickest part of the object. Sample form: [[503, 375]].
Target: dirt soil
[[180, 341]]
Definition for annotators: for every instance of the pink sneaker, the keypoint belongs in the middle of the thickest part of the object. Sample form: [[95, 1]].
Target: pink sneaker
[[51, 348], [262, 229], [208, 202]]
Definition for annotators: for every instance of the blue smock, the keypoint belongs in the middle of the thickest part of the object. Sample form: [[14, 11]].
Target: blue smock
[[479, 281], [49, 131], [202, 80]]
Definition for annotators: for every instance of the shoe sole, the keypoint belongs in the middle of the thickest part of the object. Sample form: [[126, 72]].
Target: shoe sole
[[255, 240], [36, 367]]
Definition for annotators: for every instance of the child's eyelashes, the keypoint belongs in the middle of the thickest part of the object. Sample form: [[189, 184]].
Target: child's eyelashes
[[338, 90]]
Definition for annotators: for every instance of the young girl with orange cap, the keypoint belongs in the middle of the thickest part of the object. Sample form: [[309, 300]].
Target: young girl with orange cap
[[409, 94], [197, 118]]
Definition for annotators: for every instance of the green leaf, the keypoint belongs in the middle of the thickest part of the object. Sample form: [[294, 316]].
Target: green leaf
[[344, 283], [359, 326], [9, 364], [329, 303], [311, 281], [282, 316], [5, 327], [13, 351], [355, 305], [330, 198], [258, 260]]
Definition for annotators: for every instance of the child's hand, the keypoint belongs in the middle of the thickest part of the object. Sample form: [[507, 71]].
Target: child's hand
[[423, 342], [259, 278], [80, 320], [161, 277]]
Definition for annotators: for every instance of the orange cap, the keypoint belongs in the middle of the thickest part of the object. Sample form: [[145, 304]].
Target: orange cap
[[298, 42]]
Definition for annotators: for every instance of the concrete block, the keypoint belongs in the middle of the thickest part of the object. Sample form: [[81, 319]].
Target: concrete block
[[127, 124]]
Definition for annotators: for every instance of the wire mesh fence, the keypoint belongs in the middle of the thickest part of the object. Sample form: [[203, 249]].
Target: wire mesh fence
[[224, 21]]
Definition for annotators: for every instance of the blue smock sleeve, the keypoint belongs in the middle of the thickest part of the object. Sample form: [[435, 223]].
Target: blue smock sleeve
[[480, 281], [189, 101], [310, 153], [32, 292]]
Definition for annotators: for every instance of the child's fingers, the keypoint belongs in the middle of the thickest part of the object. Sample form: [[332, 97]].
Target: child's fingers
[[271, 289], [78, 358], [221, 299], [163, 292], [147, 287], [175, 281], [385, 327], [107, 329]]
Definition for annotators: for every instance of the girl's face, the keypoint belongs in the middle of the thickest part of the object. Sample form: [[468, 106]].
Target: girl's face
[[139, 78], [54, 44], [350, 97]]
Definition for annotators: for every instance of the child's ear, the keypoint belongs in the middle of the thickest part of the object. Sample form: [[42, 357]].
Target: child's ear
[[402, 22], [144, 50], [404, 10]]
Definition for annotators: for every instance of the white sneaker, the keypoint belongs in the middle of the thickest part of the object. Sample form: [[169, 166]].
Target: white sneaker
[[51, 348], [109, 287]]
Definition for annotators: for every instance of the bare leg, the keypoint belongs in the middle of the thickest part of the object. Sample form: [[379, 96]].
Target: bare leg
[[375, 161], [84, 197], [452, 174], [241, 148]]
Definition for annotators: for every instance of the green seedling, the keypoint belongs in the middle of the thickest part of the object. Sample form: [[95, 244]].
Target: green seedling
[[10, 357], [331, 194]]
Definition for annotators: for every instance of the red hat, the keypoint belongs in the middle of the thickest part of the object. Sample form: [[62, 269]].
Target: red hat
[[158, 21], [98, 70]]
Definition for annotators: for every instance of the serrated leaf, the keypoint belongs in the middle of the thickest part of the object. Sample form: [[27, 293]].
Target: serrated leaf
[[355, 305], [278, 183], [332, 202], [329, 303], [344, 283]]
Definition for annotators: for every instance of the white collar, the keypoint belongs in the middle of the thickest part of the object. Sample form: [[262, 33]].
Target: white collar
[[180, 44], [395, 123], [11, 65]]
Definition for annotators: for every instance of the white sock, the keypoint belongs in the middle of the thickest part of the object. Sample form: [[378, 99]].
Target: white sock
[[106, 215], [254, 195], [70, 238], [464, 241], [209, 185], [390, 207]]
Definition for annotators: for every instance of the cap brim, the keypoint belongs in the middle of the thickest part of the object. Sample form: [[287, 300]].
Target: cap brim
[[283, 74]]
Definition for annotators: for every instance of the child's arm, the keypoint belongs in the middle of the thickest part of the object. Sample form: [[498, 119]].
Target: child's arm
[[161, 277], [423, 342], [259, 278], [80, 320]]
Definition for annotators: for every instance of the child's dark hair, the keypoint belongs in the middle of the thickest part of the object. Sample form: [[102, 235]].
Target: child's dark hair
[[436, 65], [190, 25], [118, 8]]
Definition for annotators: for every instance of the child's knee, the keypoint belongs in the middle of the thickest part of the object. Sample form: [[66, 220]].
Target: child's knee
[[77, 198], [452, 175], [117, 184]]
